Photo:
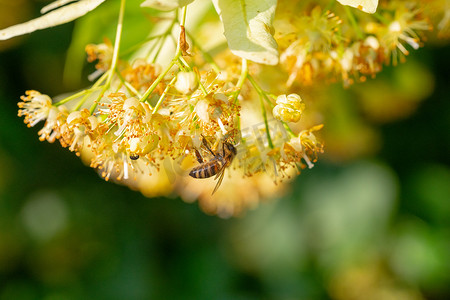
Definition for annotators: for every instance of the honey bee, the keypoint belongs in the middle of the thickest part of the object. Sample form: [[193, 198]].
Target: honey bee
[[215, 166]]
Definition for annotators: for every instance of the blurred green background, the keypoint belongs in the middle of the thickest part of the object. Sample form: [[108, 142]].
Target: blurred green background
[[370, 225]]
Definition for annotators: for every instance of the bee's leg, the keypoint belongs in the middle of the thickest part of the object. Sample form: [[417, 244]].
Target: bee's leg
[[216, 144], [199, 157], [205, 142], [223, 149]]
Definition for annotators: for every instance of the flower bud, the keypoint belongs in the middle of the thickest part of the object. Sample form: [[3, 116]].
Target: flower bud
[[186, 82], [143, 145], [78, 116], [93, 122], [289, 108], [372, 42], [131, 103], [201, 110]]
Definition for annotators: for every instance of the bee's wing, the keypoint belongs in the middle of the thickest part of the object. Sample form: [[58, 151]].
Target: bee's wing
[[220, 176], [222, 169]]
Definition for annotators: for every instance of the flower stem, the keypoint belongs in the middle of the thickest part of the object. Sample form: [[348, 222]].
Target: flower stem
[[163, 95], [138, 45], [381, 18], [115, 55], [160, 44], [329, 6], [266, 98], [161, 40], [205, 54], [262, 96], [241, 80], [266, 123], [353, 22], [239, 84], [183, 17], [185, 65], [244, 73], [157, 81], [86, 93], [117, 41], [183, 22], [74, 96], [161, 76], [128, 85]]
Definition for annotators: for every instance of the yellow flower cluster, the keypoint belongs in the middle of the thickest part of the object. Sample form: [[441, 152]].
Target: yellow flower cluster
[[126, 138], [346, 44], [147, 122]]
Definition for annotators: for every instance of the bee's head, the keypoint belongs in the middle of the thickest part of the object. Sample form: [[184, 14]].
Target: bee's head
[[233, 137], [229, 149]]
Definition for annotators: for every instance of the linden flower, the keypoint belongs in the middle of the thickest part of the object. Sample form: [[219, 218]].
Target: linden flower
[[305, 42], [358, 59], [406, 22], [142, 124], [308, 145], [315, 27], [262, 166], [289, 108], [80, 125], [56, 120], [256, 152], [205, 112], [101, 52], [131, 120], [35, 107], [141, 75], [253, 153], [284, 158], [368, 56], [111, 159]]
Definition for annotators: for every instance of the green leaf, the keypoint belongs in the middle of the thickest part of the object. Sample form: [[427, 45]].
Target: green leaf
[[248, 28], [58, 16]]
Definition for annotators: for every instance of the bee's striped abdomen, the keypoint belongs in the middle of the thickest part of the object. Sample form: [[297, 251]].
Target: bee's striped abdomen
[[207, 169], [217, 165]]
